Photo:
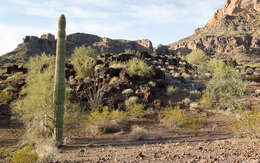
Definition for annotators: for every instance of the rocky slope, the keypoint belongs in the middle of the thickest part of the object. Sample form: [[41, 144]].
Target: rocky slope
[[33, 45], [231, 30]]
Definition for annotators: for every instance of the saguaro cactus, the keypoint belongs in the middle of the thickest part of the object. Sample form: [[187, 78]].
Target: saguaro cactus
[[59, 85]]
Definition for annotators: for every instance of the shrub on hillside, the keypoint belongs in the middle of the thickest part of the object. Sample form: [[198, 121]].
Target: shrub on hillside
[[6, 96], [197, 57], [129, 51], [84, 60], [139, 68], [226, 84], [35, 105]]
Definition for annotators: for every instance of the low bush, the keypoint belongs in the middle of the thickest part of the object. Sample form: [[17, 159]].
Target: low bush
[[247, 122], [24, 155], [6, 96], [197, 57], [226, 84], [105, 121], [84, 60], [129, 51], [171, 90], [139, 68], [135, 111], [139, 133], [177, 118], [206, 100]]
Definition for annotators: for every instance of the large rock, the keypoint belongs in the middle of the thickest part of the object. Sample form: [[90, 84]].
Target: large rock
[[33, 45], [232, 29]]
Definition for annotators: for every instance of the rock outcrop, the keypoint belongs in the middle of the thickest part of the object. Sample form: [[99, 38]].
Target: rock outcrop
[[232, 29], [33, 45]]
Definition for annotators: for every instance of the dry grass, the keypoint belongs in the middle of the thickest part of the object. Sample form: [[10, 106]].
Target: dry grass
[[176, 118]]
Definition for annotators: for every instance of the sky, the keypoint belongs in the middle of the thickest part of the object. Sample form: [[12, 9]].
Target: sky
[[161, 21]]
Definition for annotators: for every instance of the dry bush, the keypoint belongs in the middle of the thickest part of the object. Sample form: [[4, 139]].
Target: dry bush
[[6, 96], [139, 133], [171, 90], [177, 118], [206, 100], [135, 111], [95, 94], [24, 155], [104, 121], [247, 122]]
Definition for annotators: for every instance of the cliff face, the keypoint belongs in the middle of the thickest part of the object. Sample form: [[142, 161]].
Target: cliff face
[[33, 45], [232, 29]]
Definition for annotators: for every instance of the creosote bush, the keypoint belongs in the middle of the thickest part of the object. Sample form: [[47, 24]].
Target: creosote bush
[[197, 57], [176, 118], [84, 60], [139, 68]]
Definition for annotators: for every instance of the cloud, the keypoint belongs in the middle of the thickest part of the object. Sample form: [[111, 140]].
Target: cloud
[[77, 12], [186, 11], [99, 28], [98, 3]]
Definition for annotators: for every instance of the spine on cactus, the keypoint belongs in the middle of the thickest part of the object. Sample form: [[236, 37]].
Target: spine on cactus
[[59, 85]]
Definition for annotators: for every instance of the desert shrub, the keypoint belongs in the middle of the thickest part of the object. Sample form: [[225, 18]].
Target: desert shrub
[[2, 71], [206, 100], [137, 67], [105, 121], [95, 94], [171, 90], [247, 122], [129, 51], [175, 118], [135, 110], [197, 57], [139, 133], [226, 84], [5, 96], [24, 155], [35, 106], [37, 94], [84, 60]]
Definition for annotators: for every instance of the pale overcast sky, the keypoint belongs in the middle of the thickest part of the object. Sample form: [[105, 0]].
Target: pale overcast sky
[[161, 21]]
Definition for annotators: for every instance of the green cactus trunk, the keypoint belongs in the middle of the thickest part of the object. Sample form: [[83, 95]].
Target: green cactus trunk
[[59, 86]]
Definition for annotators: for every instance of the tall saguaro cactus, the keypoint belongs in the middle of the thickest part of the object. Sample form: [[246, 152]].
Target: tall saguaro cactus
[[59, 85]]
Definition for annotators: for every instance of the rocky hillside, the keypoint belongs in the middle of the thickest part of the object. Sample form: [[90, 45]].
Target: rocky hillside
[[33, 45], [231, 30]]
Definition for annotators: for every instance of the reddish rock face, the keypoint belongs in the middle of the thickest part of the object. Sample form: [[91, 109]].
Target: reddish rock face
[[233, 6]]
